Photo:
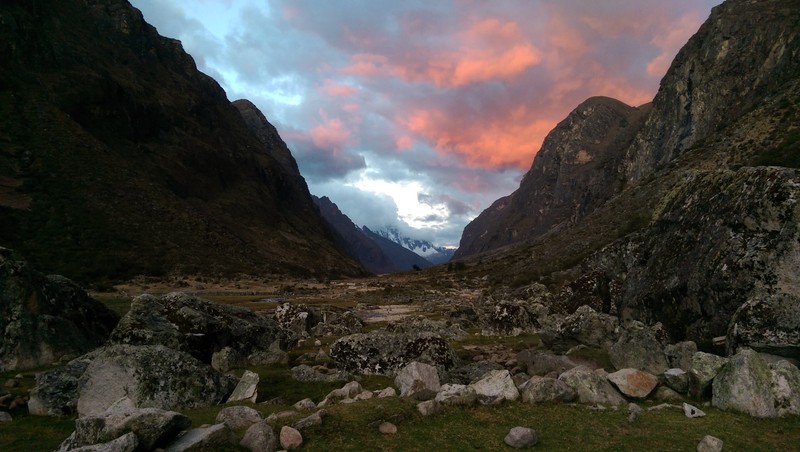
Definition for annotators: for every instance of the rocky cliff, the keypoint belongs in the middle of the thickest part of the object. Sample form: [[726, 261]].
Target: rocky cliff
[[120, 158], [702, 209]]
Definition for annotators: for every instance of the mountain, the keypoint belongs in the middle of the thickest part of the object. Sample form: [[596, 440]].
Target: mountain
[[120, 158], [402, 258], [353, 240], [693, 213], [433, 254]]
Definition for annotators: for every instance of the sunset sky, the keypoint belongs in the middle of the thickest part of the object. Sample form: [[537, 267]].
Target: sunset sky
[[419, 114]]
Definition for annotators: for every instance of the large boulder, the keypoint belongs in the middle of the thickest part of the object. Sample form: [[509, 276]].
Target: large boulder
[[705, 367], [495, 387], [152, 376], [56, 391], [538, 362], [584, 326], [195, 326], [294, 321], [591, 387], [769, 324], [46, 319], [382, 352], [633, 382], [510, 318], [418, 380], [638, 348], [544, 389], [745, 384], [786, 387]]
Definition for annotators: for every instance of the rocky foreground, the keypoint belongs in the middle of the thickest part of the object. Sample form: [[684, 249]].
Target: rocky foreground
[[178, 352]]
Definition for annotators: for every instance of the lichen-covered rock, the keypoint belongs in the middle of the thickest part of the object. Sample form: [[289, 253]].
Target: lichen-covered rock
[[418, 380], [680, 355], [769, 324], [591, 387], [238, 417], [638, 348], [226, 359], [745, 384], [189, 324], [152, 376], [381, 352], [585, 326], [786, 387], [495, 387], [46, 319], [544, 389], [705, 366], [472, 372], [633, 382], [56, 391], [538, 362], [677, 379], [508, 318], [456, 394], [295, 320], [335, 323]]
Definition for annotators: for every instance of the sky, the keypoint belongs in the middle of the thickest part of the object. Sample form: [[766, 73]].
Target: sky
[[420, 113]]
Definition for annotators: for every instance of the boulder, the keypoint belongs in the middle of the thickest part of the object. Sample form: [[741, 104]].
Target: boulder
[[710, 444], [495, 387], [537, 362], [418, 380], [521, 438], [456, 394], [387, 428], [786, 387], [125, 443], [543, 389], [260, 438], [56, 391], [590, 387], [744, 384], [387, 392], [584, 326], [666, 394], [273, 355], [152, 427], [337, 324], [705, 367], [680, 355], [633, 382], [238, 417], [46, 319], [294, 321], [767, 323], [429, 407], [153, 376], [638, 348], [677, 379], [217, 436], [195, 326], [305, 373], [472, 372], [381, 352], [290, 438], [509, 318], [246, 389], [309, 421]]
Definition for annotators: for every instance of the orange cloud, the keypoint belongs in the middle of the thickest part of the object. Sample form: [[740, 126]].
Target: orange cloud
[[333, 88], [331, 134]]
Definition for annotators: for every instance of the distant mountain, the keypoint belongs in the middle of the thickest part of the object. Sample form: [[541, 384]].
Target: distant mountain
[[119, 158], [403, 258], [432, 253], [353, 240]]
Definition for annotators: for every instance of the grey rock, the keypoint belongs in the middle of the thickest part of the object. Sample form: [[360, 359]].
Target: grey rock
[[710, 444], [585, 326], [590, 387], [495, 387], [260, 438], [194, 325], [542, 389], [418, 380], [125, 443], [338, 324], [294, 320], [387, 392], [429, 407], [744, 384], [472, 372], [521, 437], [348, 391], [677, 379], [290, 438], [537, 362], [680, 354], [46, 319], [456, 394], [305, 404], [5, 417], [387, 428], [381, 352], [273, 355], [238, 417], [666, 394], [634, 412], [56, 391], [705, 367], [246, 389], [213, 437], [227, 359], [153, 375], [786, 388], [638, 348], [309, 421], [305, 373], [509, 318], [692, 411], [768, 323], [633, 382]]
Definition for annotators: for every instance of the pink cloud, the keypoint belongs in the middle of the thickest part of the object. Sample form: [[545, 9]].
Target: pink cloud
[[334, 88], [330, 134], [669, 42]]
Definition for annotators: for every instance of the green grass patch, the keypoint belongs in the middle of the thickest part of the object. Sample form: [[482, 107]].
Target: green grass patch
[[34, 433], [118, 304]]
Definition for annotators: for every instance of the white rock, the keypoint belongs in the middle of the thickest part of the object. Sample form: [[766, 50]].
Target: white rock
[[495, 387], [692, 411], [418, 380], [710, 444], [247, 389], [521, 437]]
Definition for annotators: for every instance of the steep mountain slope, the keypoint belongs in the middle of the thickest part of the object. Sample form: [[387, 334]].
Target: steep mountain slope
[[700, 226], [432, 253], [119, 158], [353, 240], [402, 258]]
